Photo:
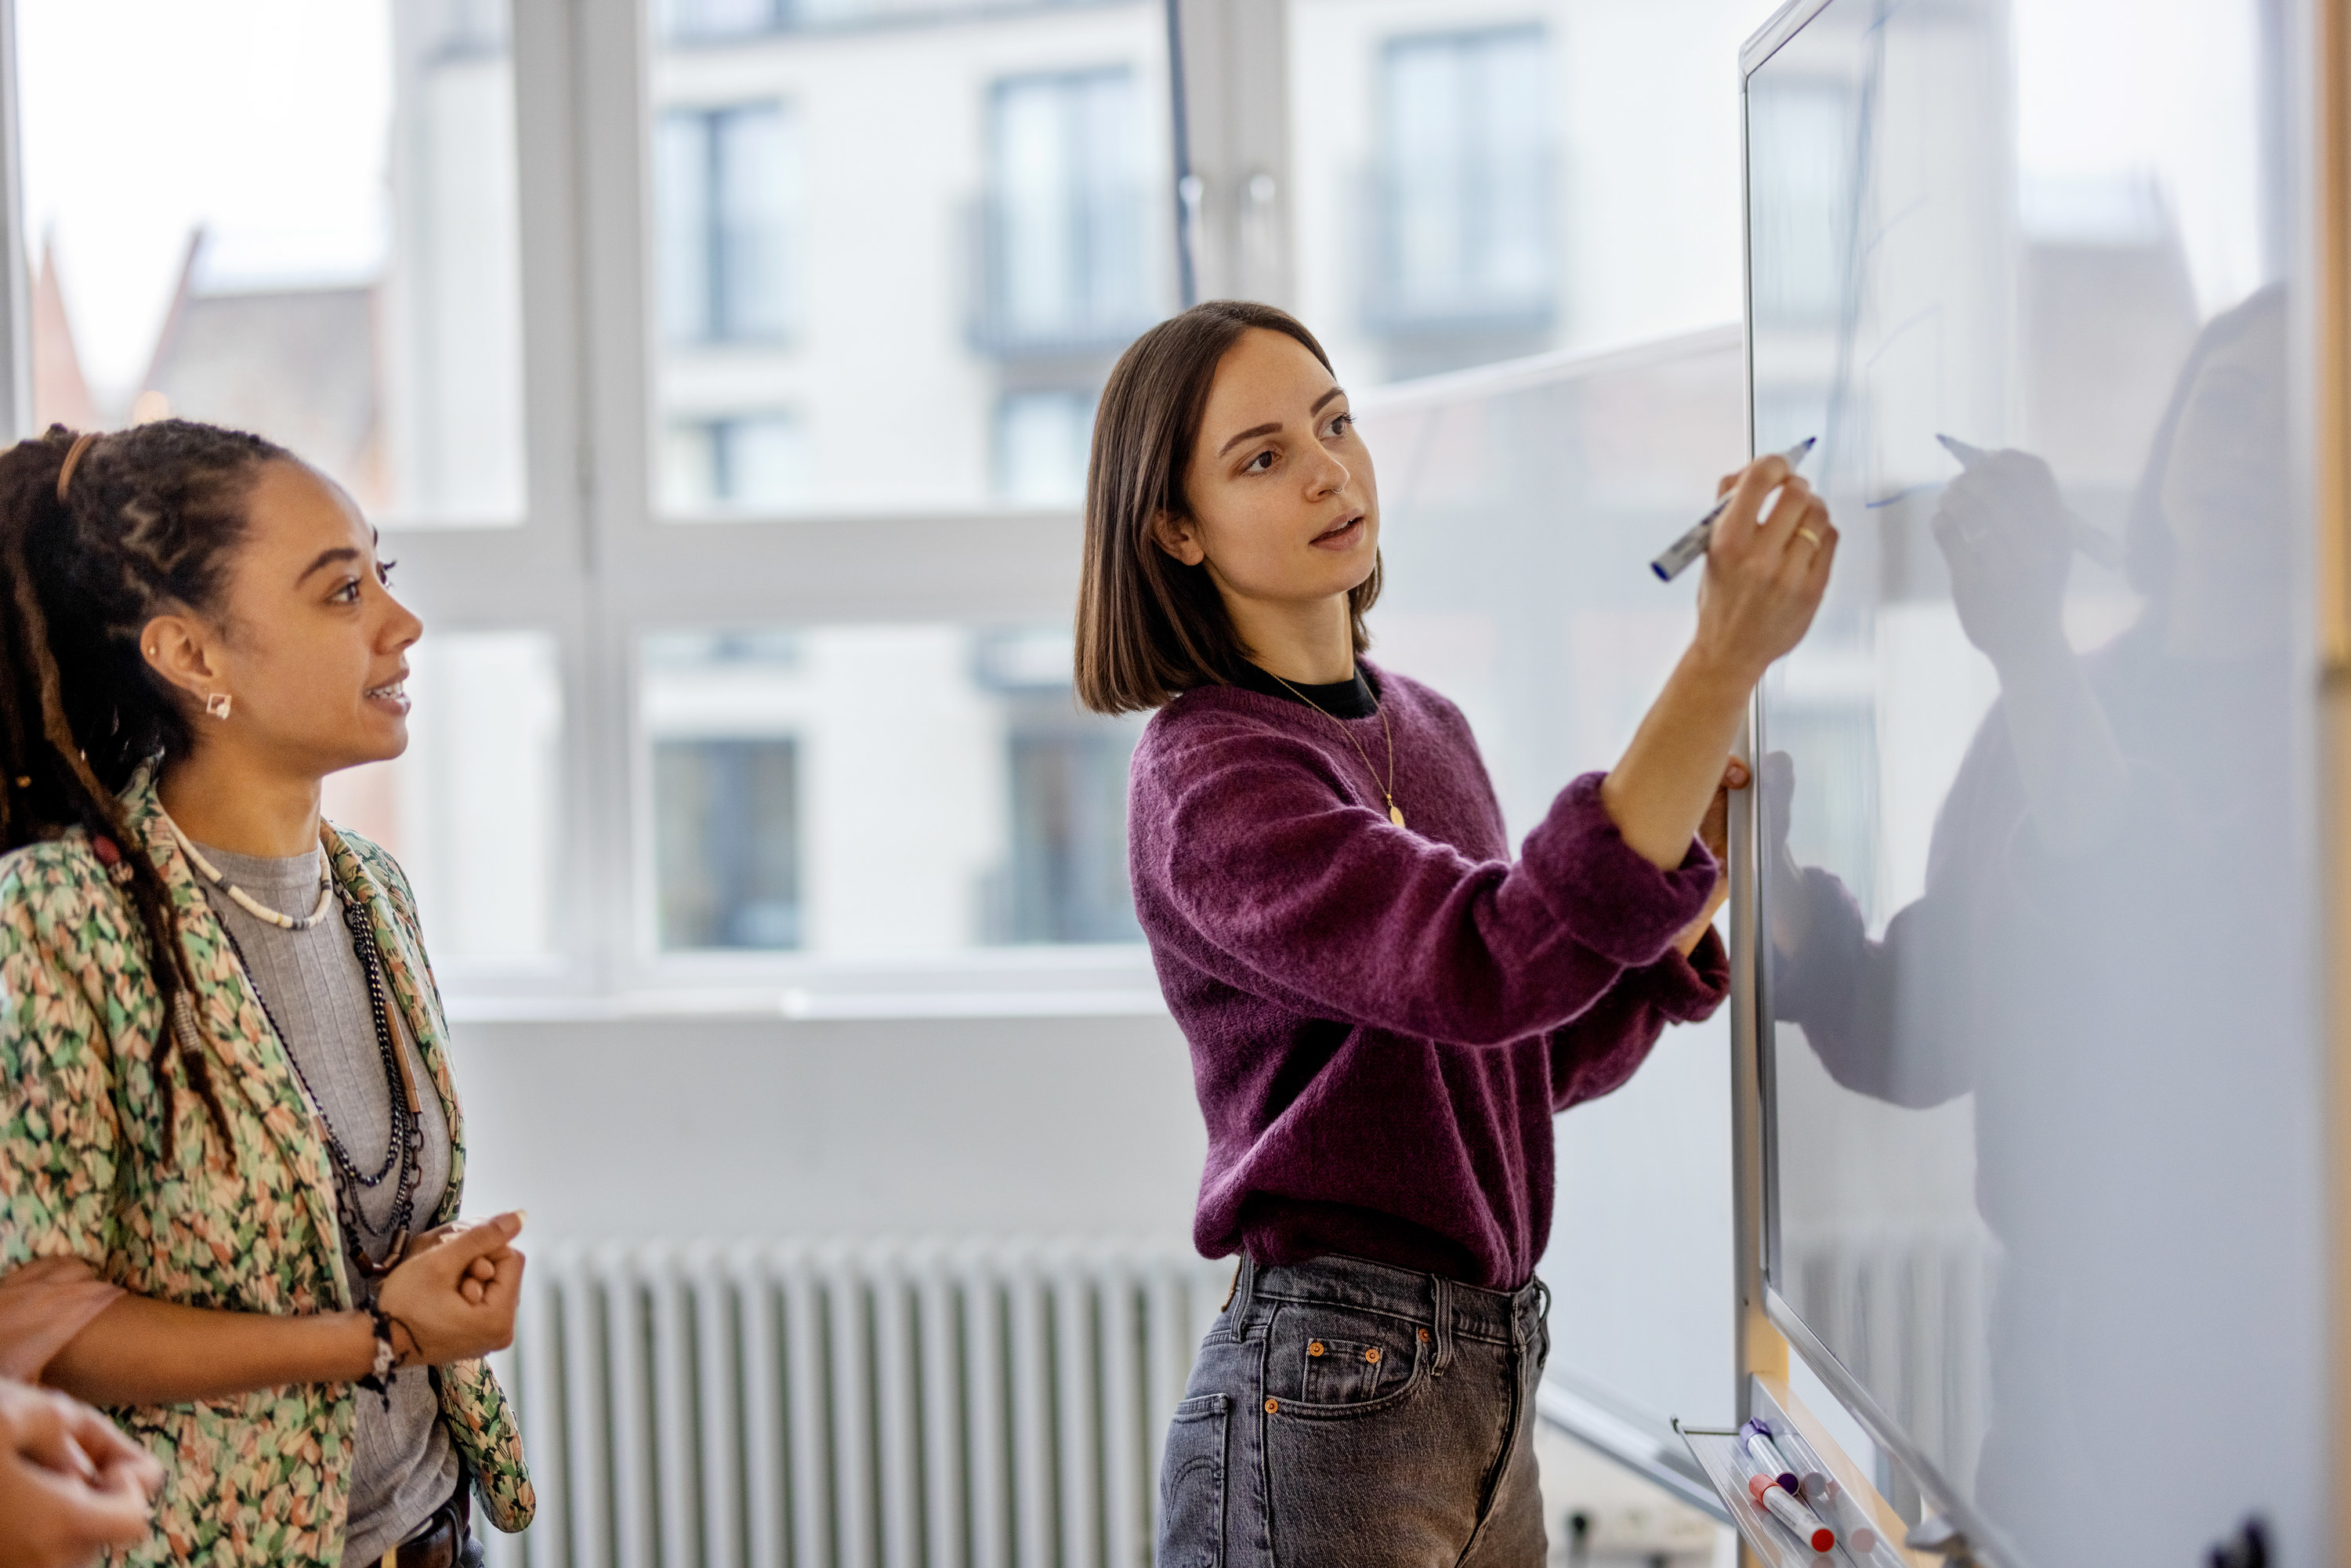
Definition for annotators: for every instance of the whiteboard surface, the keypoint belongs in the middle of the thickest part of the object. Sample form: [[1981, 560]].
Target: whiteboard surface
[[2038, 901]]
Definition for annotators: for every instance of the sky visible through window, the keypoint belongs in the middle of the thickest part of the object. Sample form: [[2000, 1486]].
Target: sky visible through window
[[127, 150]]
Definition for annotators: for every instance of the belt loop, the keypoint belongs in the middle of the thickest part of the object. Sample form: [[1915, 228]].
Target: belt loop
[[1441, 1308], [1237, 1307]]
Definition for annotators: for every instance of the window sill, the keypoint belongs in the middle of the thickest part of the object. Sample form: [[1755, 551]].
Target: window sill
[[1098, 982]]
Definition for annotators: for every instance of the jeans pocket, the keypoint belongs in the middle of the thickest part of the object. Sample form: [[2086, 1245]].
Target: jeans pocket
[[1344, 1371], [1328, 1362], [1192, 1485]]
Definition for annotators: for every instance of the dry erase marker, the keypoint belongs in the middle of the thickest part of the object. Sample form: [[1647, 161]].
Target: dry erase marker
[[1812, 1480], [1758, 1438], [1831, 1502], [1692, 545], [1771, 1483], [1798, 1520], [1851, 1525], [2098, 547]]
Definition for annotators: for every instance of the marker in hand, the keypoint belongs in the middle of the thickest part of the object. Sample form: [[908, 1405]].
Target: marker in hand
[[2098, 547], [1692, 545]]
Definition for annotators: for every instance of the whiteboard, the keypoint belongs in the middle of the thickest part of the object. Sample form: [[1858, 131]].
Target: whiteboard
[[2038, 899]]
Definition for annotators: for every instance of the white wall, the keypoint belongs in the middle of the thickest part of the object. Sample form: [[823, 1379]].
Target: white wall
[[669, 1128]]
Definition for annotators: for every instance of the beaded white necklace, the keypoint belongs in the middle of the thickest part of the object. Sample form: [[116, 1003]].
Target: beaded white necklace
[[244, 899]]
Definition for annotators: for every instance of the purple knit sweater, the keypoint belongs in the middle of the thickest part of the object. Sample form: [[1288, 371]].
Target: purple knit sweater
[[1383, 1020]]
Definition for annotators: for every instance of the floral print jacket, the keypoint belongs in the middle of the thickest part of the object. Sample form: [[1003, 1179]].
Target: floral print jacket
[[247, 1226]]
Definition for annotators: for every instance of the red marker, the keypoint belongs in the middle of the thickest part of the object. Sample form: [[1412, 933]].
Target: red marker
[[1770, 1494], [1834, 1504]]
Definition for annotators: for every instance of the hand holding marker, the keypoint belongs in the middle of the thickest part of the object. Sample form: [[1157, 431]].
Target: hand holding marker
[[1692, 545], [2098, 547]]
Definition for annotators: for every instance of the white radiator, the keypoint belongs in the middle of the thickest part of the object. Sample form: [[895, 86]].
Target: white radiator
[[869, 1404]]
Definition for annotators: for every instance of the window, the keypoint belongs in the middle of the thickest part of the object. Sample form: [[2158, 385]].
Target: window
[[868, 790], [711, 21], [473, 810], [1063, 227], [727, 842], [1464, 199], [898, 233], [755, 462], [1064, 878], [1042, 440], [721, 21], [724, 196], [1447, 186], [468, 27], [328, 254]]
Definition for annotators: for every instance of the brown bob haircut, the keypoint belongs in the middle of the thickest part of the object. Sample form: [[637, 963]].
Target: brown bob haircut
[[1149, 627]]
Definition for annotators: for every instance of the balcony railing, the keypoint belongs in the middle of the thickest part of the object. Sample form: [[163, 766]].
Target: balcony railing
[[1492, 269], [1067, 279], [705, 22]]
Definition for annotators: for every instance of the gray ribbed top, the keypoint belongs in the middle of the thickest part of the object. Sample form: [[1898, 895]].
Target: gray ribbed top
[[403, 1466]]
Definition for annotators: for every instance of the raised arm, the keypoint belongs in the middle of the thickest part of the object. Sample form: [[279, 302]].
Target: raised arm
[[1764, 581], [1278, 887]]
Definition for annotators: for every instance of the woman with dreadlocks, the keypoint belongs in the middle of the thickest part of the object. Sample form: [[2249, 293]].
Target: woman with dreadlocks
[[230, 1154]]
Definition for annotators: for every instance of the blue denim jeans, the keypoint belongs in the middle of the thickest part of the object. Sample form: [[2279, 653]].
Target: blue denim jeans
[[1343, 1412]]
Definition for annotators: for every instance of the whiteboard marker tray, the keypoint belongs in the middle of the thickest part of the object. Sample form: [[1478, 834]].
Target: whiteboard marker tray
[[1717, 1452]]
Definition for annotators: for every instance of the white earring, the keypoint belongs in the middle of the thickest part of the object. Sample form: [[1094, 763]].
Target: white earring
[[217, 704]]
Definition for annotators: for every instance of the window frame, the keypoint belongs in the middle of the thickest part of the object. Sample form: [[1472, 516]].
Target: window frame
[[593, 565]]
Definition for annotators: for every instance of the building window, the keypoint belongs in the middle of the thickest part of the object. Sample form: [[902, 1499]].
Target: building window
[[725, 189], [727, 842], [1041, 444], [755, 462], [1063, 223], [471, 28], [1069, 836], [719, 21], [1463, 198], [1064, 878], [715, 21]]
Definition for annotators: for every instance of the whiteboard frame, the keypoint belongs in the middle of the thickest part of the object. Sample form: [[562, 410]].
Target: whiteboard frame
[[1770, 1327], [2318, 260]]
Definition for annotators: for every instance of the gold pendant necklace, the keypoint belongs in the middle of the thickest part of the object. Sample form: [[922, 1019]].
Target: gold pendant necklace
[[1395, 812]]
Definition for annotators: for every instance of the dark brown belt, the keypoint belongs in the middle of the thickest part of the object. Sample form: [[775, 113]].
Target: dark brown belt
[[441, 1541]]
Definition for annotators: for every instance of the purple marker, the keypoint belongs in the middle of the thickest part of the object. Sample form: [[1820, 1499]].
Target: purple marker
[[1814, 1481], [1757, 1435]]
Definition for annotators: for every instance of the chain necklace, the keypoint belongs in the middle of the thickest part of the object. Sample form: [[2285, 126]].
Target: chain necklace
[[1395, 812], [405, 1145]]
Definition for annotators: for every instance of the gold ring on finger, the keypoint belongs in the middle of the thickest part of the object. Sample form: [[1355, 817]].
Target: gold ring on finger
[[1809, 537]]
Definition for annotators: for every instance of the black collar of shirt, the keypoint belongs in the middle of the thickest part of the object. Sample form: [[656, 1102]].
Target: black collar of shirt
[[1354, 697]]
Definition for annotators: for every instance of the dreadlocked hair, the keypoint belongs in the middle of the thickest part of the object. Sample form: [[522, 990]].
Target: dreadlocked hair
[[147, 526]]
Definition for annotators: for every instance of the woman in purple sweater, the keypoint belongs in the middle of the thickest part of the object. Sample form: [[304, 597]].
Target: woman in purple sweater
[[1384, 1009]]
